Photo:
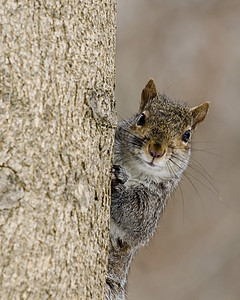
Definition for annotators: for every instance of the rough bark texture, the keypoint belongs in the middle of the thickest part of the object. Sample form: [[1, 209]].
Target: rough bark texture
[[56, 134]]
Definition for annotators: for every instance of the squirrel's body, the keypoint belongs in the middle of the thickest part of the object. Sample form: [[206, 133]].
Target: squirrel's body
[[151, 151]]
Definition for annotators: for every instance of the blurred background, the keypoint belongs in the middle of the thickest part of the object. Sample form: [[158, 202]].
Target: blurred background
[[192, 50]]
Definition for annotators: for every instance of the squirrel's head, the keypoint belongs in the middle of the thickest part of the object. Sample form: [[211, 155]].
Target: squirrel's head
[[161, 133]]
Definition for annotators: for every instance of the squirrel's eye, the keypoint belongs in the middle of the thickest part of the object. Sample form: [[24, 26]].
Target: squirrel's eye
[[186, 136], [141, 120]]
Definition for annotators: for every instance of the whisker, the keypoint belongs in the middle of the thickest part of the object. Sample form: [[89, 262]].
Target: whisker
[[123, 117], [204, 174], [196, 190], [181, 192], [204, 142], [209, 152], [200, 170], [185, 174], [207, 177], [210, 149], [135, 140]]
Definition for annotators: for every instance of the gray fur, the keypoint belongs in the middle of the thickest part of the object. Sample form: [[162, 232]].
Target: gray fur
[[140, 192]]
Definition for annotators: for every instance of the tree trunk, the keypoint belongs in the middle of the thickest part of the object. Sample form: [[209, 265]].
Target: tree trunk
[[57, 118]]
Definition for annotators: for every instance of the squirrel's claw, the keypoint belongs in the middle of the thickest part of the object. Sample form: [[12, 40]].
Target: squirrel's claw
[[119, 177]]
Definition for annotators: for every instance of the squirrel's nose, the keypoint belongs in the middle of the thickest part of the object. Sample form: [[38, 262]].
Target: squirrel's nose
[[156, 151]]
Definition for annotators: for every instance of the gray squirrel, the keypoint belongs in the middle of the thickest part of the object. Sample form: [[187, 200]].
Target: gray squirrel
[[151, 151]]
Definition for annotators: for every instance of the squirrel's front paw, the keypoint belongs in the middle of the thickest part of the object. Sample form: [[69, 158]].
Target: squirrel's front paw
[[119, 246], [119, 177]]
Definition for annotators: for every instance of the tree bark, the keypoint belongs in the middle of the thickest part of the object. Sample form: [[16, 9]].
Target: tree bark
[[57, 118]]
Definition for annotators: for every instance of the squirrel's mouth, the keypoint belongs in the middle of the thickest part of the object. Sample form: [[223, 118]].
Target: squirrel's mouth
[[151, 163], [154, 163]]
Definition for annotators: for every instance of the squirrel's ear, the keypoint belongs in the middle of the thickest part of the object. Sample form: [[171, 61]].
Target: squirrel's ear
[[148, 93], [199, 113]]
